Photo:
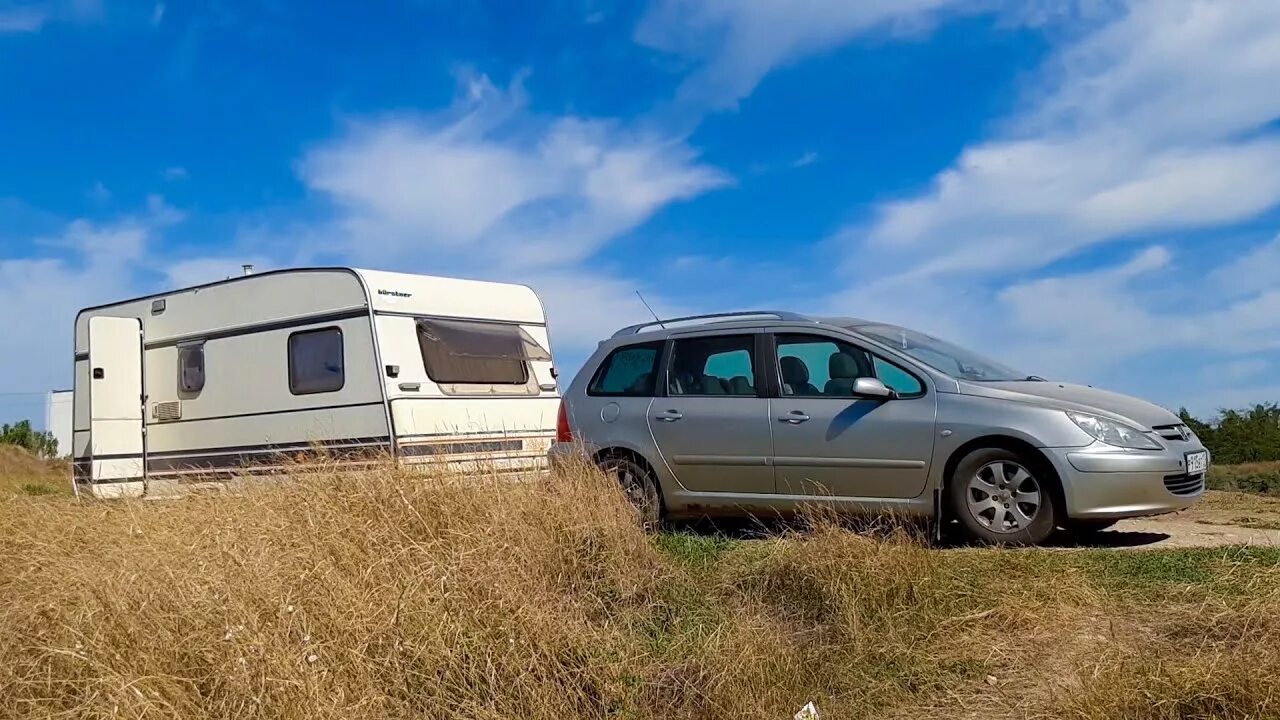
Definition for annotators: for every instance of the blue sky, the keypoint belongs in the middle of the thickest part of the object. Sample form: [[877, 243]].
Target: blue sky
[[1084, 189]]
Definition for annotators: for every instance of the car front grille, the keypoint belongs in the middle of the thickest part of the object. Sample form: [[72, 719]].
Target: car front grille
[[1177, 431], [1184, 484]]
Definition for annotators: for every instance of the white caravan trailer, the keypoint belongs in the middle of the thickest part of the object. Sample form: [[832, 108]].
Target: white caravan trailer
[[242, 375]]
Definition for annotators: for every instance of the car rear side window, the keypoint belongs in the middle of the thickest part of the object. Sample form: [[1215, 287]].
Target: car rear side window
[[714, 365], [629, 371]]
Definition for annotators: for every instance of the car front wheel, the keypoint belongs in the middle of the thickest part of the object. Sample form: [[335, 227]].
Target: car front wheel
[[1001, 498]]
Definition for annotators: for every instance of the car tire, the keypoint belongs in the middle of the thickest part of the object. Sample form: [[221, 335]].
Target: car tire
[[1000, 497], [640, 486], [1086, 526]]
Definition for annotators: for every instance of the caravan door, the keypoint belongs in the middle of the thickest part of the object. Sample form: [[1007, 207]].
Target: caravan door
[[116, 445]]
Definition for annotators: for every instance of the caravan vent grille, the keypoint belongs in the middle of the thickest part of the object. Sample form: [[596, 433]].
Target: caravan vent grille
[[171, 410]]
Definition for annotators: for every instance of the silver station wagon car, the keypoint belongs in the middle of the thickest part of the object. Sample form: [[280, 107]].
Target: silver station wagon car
[[767, 412]]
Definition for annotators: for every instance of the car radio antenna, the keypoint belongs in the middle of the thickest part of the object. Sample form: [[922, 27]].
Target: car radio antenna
[[651, 312]]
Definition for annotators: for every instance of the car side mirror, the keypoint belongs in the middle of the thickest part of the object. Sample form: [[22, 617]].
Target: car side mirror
[[869, 387]]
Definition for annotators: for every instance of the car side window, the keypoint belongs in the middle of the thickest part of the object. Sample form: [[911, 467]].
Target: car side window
[[714, 365], [897, 379], [814, 366], [629, 371]]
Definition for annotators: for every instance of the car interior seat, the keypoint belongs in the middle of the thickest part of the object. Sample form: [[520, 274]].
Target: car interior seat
[[712, 385], [795, 377], [844, 370]]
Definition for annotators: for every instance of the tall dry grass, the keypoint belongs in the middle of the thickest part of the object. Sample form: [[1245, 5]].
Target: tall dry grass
[[25, 474], [388, 594]]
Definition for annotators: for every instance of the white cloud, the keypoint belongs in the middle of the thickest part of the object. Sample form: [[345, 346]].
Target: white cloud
[[201, 270], [29, 17], [93, 264], [1158, 122], [488, 185], [84, 264], [487, 189], [22, 19], [808, 158], [734, 44], [1142, 132], [1241, 369], [176, 172], [157, 15], [99, 193], [1251, 272]]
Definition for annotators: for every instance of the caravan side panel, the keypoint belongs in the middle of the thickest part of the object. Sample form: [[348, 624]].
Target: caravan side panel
[[489, 426], [245, 411]]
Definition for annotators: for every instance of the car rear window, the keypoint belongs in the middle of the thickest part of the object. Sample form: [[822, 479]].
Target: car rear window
[[629, 371]]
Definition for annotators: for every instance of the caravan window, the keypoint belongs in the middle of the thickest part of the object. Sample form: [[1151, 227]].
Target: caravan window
[[191, 368], [315, 361], [477, 353]]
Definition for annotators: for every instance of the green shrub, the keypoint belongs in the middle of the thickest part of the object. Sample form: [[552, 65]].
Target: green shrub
[[1251, 477], [1240, 436], [23, 435]]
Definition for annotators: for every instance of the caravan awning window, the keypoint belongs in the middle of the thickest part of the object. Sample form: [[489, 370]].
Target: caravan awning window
[[466, 352]]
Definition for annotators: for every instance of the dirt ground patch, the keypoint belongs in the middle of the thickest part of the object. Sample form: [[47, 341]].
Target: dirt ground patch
[[1220, 519]]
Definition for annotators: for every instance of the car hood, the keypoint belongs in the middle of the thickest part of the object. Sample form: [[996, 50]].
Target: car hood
[[1075, 397]]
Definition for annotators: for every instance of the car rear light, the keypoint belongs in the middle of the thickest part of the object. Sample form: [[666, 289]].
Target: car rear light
[[563, 433]]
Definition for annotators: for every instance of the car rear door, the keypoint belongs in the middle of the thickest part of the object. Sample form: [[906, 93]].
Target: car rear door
[[711, 422]]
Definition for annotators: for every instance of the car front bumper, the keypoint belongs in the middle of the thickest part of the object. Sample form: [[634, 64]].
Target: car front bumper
[[1104, 482]]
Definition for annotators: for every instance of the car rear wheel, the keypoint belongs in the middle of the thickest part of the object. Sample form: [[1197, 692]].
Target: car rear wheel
[[640, 487], [1000, 497]]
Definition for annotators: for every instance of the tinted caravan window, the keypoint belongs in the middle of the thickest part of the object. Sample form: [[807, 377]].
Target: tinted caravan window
[[477, 353], [316, 361], [191, 368]]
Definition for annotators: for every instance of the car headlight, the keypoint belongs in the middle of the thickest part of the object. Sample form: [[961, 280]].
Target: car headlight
[[1113, 433]]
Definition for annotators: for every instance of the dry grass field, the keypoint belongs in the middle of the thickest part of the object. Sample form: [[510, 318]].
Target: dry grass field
[[21, 473], [390, 595]]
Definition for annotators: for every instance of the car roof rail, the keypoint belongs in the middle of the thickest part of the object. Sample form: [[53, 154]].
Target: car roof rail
[[782, 315]]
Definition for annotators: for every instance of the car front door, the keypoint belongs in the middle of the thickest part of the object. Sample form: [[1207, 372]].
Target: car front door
[[712, 424], [829, 442]]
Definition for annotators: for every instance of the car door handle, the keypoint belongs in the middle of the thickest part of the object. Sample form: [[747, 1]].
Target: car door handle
[[668, 416], [795, 417]]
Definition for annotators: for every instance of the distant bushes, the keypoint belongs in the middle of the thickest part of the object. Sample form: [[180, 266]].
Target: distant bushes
[[1250, 477], [1240, 436], [34, 441]]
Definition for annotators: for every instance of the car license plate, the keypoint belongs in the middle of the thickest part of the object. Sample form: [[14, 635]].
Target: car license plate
[[1197, 462]]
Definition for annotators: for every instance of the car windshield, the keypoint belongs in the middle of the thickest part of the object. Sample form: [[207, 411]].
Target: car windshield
[[941, 355]]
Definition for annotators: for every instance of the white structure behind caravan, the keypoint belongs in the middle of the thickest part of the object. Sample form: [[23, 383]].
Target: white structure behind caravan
[[57, 418]]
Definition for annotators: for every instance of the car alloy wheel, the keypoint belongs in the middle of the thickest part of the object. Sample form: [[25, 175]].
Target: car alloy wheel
[[1004, 497]]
